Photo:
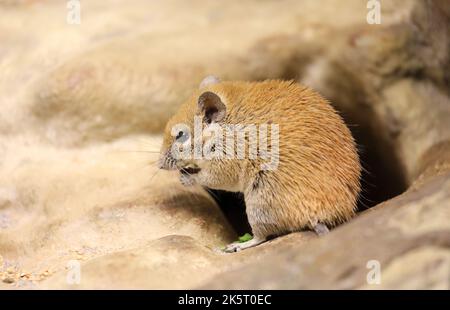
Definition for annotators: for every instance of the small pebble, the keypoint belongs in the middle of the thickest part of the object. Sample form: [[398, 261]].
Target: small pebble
[[8, 280]]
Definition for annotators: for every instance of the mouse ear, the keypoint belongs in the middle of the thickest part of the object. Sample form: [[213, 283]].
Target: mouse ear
[[212, 107], [209, 80]]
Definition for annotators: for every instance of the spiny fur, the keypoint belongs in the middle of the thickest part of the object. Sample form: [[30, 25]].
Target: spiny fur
[[318, 176]]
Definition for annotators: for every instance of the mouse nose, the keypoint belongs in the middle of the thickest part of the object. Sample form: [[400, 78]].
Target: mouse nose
[[167, 162]]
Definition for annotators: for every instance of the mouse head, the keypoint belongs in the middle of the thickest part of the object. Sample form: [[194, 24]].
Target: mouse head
[[184, 139]]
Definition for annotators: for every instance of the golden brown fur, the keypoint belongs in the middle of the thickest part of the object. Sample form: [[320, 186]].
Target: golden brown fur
[[318, 176]]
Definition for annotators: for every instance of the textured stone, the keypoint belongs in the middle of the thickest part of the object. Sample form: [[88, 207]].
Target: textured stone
[[83, 107]]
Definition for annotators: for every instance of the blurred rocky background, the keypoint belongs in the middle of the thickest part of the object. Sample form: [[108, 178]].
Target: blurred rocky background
[[83, 106]]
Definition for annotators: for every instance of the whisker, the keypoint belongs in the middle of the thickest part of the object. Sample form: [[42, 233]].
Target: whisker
[[153, 176], [146, 142], [151, 152]]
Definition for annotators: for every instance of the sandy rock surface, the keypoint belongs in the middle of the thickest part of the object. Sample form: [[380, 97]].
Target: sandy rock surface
[[83, 107]]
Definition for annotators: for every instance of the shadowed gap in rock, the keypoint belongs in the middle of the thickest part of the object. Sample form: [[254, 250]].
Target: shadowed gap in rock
[[233, 207], [381, 177]]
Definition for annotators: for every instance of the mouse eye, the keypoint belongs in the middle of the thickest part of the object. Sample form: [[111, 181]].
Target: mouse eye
[[182, 136]]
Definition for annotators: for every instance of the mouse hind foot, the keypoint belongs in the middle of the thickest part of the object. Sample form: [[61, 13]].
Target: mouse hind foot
[[321, 229]]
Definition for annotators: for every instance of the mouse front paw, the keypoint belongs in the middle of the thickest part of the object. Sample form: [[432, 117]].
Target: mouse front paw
[[186, 180], [239, 246], [233, 247]]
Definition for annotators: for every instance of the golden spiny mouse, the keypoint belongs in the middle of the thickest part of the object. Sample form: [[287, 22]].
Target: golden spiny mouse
[[315, 183]]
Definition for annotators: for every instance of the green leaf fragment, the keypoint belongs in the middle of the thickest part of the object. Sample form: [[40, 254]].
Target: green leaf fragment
[[244, 238]]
